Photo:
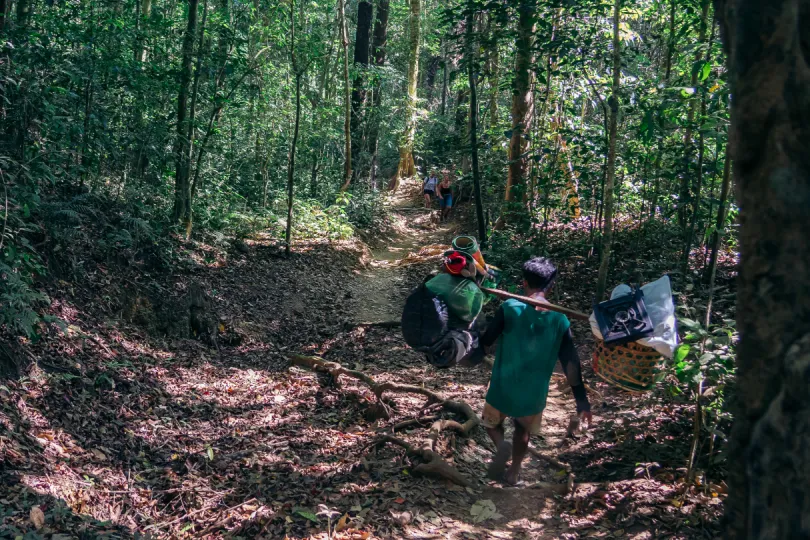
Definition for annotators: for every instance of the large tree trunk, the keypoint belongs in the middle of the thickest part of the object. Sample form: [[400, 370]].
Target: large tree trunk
[[182, 145], [407, 167], [522, 102], [685, 197], [479, 207], [769, 462], [361, 55], [613, 102], [380, 35], [347, 97]]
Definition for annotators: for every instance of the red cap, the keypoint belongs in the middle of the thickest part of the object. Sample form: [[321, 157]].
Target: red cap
[[455, 262]]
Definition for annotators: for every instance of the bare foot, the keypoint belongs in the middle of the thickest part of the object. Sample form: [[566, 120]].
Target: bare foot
[[498, 465], [512, 476]]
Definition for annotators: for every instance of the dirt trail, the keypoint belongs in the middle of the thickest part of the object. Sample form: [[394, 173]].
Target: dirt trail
[[131, 430], [378, 295]]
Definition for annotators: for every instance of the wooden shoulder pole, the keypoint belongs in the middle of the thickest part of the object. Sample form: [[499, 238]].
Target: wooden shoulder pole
[[537, 303]]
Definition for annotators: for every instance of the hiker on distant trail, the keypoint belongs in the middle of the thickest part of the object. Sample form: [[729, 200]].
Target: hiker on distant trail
[[445, 196], [532, 339], [440, 315], [429, 187]]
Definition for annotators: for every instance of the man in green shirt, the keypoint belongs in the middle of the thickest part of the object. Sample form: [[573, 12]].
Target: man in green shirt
[[531, 341]]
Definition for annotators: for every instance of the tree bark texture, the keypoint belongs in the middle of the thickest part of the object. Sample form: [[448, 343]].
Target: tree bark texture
[[479, 206], [182, 145], [522, 101], [407, 167], [362, 40], [613, 103], [769, 478], [347, 97]]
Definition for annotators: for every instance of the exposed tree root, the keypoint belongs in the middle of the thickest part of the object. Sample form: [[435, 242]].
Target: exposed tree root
[[434, 465], [379, 389]]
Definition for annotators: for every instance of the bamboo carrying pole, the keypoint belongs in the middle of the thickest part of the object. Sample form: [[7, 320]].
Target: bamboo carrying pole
[[537, 303]]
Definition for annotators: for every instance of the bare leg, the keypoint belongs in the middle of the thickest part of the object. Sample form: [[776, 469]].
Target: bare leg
[[520, 445], [504, 449]]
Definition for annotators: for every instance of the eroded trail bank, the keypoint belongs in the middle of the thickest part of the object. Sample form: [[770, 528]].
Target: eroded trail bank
[[125, 427]]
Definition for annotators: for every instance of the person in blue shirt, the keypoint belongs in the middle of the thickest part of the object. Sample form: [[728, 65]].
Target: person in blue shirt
[[532, 339]]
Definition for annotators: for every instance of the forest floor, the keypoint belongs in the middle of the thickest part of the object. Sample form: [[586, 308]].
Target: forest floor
[[120, 430]]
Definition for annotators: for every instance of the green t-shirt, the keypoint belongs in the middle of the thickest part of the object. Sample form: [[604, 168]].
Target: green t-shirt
[[525, 359], [463, 298]]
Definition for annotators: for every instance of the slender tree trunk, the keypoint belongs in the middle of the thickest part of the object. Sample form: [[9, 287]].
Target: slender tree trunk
[[522, 104], [685, 195], [717, 236], [613, 102], [291, 166], [3, 9], [493, 70], [291, 159], [445, 67], [182, 185], [380, 36], [471, 57], [347, 97], [407, 167], [142, 15], [671, 47], [361, 57]]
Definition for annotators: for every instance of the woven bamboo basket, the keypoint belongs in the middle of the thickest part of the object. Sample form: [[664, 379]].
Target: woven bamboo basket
[[631, 366]]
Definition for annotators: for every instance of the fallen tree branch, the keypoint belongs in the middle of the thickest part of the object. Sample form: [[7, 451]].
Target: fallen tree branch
[[434, 464]]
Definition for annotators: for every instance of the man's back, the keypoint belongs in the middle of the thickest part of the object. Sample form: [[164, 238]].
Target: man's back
[[525, 359]]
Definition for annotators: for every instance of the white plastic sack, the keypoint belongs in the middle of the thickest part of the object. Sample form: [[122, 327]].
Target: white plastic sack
[[660, 308]]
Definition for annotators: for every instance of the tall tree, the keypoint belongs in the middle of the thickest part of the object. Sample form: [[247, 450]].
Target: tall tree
[[182, 145], [407, 167], [769, 477], [522, 101], [685, 198], [347, 97], [610, 173], [298, 71], [471, 73], [378, 43], [361, 57]]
